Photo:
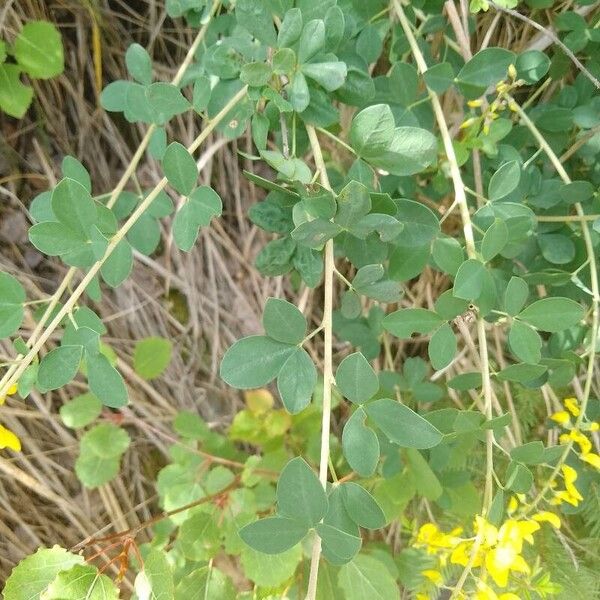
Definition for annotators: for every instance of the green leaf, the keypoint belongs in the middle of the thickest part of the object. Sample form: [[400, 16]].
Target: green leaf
[[439, 77], [159, 575], [180, 168], [469, 280], [515, 296], [532, 65], [360, 444], [315, 233], [59, 367], [12, 297], [255, 18], [80, 411], [139, 64], [427, 484], [205, 583], [107, 440], [329, 75], [339, 546], [105, 381], [312, 40], [198, 537], [165, 100], [291, 28], [353, 203], [254, 361], [201, 206], [487, 67], [81, 582], [73, 169], [522, 372], [402, 425], [38, 50], [273, 535], [15, 97], [420, 224], [411, 151], [283, 321], [118, 265], [54, 239], [73, 206], [356, 379], [46, 564], [255, 74], [525, 343], [300, 495], [152, 356], [372, 130], [442, 347], [269, 571], [448, 254], [494, 240], [504, 181], [366, 577], [296, 381], [362, 507], [552, 314], [114, 96], [298, 92], [403, 323], [531, 453], [519, 478], [201, 93]]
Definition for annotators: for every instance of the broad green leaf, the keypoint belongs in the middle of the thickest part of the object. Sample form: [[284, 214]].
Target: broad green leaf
[[312, 39], [80, 411], [73, 206], [291, 28], [404, 322], [519, 478], [54, 239], [38, 50], [114, 96], [46, 564], [107, 440], [298, 92], [256, 74], [515, 296], [12, 297], [360, 444], [15, 97], [152, 356], [283, 321], [256, 18], [372, 130], [426, 482], [420, 224], [338, 546], [356, 379], [159, 575], [73, 169], [522, 372], [557, 248], [531, 453], [504, 181], [273, 535], [105, 381], [269, 571], [552, 314], [81, 582], [525, 342], [439, 77], [201, 206], [201, 93], [300, 495], [254, 361], [139, 64], [366, 577], [164, 101], [205, 583], [469, 280], [296, 381], [448, 254], [532, 65], [315, 233], [361, 506], [494, 240], [487, 67], [402, 425], [180, 168], [59, 367], [353, 203], [198, 536], [329, 75], [442, 347], [118, 265]]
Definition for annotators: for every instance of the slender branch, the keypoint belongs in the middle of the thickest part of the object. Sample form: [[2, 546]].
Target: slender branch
[[327, 362], [461, 200], [114, 195], [595, 288], [139, 211]]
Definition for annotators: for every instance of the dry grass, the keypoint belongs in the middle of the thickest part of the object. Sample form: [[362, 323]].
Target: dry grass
[[202, 300]]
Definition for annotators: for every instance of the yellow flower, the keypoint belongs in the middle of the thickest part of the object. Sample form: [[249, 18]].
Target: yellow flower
[[434, 576], [421, 597], [9, 440], [462, 554], [508, 596], [434, 540], [475, 103], [592, 459], [513, 504], [572, 406], [570, 494], [503, 559], [545, 516], [561, 417], [579, 438], [9, 392], [512, 72], [594, 426], [469, 122], [487, 531]]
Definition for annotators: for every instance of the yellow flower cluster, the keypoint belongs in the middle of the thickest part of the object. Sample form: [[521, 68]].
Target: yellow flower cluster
[[576, 431], [8, 439], [496, 551]]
